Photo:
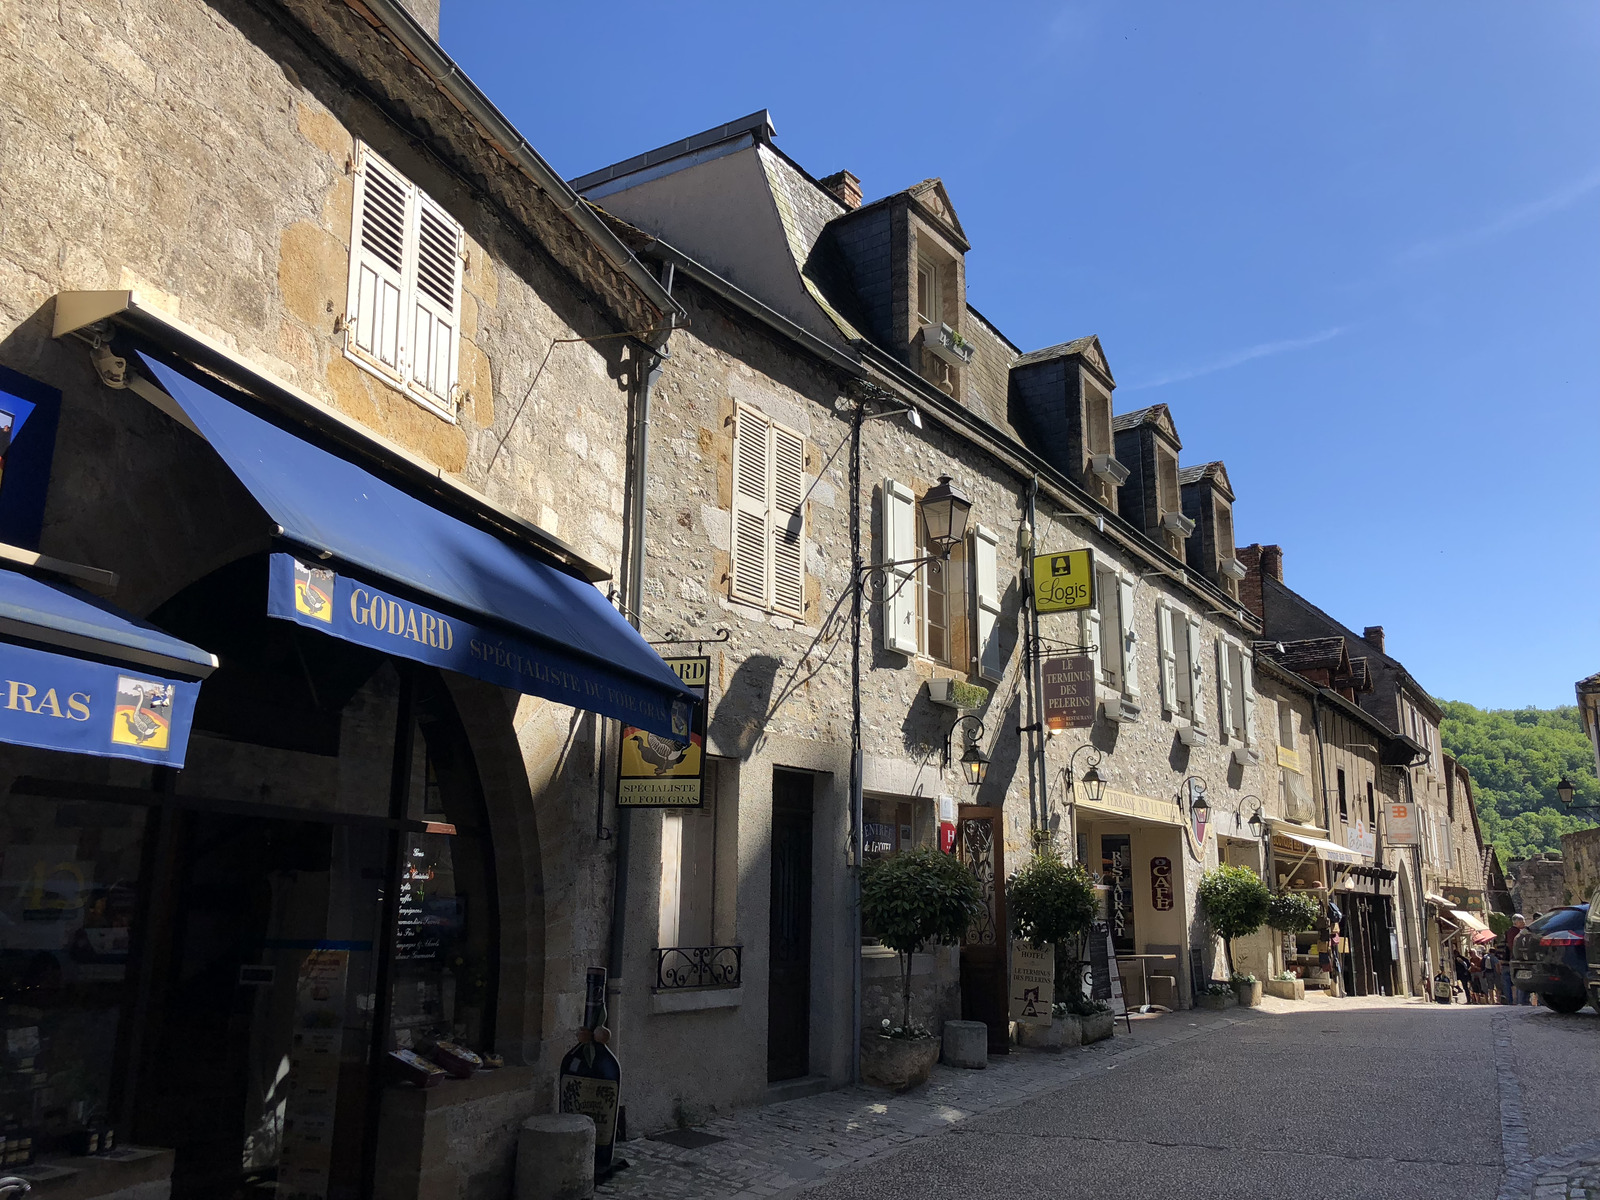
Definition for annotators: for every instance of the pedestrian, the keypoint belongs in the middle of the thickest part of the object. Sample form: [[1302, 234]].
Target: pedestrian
[[1512, 994], [1463, 974], [1491, 976]]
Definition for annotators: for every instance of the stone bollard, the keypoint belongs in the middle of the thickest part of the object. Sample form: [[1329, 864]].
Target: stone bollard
[[966, 1044], [555, 1158]]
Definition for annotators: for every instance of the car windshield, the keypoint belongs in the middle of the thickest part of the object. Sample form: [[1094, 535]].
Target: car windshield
[[1560, 919]]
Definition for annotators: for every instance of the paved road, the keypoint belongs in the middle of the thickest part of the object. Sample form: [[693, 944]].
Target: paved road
[[1345, 1099], [1325, 1099]]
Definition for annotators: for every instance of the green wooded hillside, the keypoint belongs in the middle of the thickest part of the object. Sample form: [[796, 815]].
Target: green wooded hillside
[[1516, 756]]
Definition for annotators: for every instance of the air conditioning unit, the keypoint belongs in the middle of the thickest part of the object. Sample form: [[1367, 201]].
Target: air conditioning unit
[[1109, 469]]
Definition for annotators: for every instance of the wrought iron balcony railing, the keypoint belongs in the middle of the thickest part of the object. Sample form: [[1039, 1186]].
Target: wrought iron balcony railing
[[698, 967]]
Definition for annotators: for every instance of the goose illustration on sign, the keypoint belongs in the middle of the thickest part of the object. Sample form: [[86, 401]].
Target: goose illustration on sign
[[661, 772], [313, 592], [143, 713]]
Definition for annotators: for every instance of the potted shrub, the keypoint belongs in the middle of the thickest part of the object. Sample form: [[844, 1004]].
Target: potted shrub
[[1235, 903], [1285, 986], [1291, 913], [1052, 903], [1247, 988], [1218, 995], [910, 900]]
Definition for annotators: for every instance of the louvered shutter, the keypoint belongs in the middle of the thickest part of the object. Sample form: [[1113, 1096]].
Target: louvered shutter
[[435, 301], [986, 576], [1247, 685], [1196, 692], [788, 522], [1129, 638], [383, 204], [750, 490], [1089, 625], [1224, 693], [899, 591], [1168, 657]]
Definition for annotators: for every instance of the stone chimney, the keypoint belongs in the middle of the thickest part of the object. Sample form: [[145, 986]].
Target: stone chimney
[[1258, 560], [1373, 636], [846, 187]]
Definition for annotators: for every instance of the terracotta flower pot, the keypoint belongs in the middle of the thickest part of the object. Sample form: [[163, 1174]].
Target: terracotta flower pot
[[897, 1063]]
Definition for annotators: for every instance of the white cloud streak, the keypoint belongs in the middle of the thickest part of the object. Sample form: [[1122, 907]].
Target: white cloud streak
[[1239, 357], [1524, 214]]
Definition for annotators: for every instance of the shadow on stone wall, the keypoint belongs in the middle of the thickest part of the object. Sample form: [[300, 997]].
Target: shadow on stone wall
[[741, 715]]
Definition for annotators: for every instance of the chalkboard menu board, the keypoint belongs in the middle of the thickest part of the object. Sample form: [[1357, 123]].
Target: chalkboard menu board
[[1099, 964]]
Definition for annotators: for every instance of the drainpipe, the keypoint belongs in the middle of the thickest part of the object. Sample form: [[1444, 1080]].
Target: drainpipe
[[639, 469], [857, 764], [1322, 760], [1038, 781]]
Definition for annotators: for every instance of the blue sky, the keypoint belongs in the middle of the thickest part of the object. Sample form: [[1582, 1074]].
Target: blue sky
[[1355, 247]]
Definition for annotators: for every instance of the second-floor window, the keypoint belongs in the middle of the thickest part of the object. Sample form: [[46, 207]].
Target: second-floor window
[[402, 308], [940, 588], [1236, 694], [1177, 634], [1344, 800], [1109, 626], [769, 514], [1285, 725]]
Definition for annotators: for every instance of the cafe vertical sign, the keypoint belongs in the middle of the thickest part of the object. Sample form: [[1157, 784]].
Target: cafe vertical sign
[[658, 772]]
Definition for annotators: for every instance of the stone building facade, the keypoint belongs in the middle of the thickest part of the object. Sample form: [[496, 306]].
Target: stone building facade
[[180, 180], [1580, 852], [807, 309]]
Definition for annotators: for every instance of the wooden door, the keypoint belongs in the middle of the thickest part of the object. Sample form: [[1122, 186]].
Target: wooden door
[[985, 989], [789, 965]]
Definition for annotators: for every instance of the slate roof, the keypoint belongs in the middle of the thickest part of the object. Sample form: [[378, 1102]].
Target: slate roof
[[1061, 350], [1310, 654]]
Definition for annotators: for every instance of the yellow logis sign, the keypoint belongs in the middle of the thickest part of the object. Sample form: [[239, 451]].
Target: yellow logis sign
[[1063, 582]]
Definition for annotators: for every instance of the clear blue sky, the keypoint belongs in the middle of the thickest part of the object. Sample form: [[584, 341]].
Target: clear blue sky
[[1355, 247]]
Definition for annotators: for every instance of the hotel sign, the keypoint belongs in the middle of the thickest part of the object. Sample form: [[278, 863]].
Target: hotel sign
[[1068, 687], [1063, 582]]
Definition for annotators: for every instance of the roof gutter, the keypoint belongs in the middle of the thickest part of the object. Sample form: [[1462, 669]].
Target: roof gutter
[[392, 18]]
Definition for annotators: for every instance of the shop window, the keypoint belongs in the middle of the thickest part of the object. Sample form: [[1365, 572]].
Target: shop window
[[892, 826], [402, 308]]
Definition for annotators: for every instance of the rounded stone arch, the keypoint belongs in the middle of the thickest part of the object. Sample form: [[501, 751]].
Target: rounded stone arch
[[488, 715]]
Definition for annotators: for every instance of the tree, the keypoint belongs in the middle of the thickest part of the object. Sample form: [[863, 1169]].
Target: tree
[[1052, 902], [914, 898], [1292, 912], [1235, 904]]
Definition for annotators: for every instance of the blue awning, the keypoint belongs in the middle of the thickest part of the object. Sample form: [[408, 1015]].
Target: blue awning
[[385, 569], [55, 695]]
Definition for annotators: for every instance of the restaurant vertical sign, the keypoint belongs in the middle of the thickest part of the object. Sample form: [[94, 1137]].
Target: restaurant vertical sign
[[1068, 688], [658, 772]]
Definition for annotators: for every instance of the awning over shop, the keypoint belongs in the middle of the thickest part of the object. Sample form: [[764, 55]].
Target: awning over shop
[[1321, 847], [1437, 900], [1467, 921], [382, 568], [87, 678]]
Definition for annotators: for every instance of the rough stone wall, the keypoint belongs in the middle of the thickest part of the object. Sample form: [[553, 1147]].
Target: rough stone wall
[[1581, 854], [1538, 883], [195, 153]]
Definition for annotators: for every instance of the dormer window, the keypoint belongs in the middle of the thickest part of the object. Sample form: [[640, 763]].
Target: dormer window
[[1228, 565], [930, 307]]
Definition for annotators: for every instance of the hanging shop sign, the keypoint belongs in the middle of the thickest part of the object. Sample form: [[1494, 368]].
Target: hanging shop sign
[[659, 772], [947, 823], [1033, 982], [1400, 824], [359, 612], [1467, 899], [1068, 687], [1063, 582], [1161, 894], [57, 702], [1361, 837]]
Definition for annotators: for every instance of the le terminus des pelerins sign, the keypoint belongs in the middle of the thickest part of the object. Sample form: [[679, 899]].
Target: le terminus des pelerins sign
[[658, 772], [1068, 687]]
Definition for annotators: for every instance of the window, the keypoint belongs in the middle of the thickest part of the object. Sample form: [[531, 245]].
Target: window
[[986, 613], [892, 826], [1096, 419], [1236, 696], [404, 297], [769, 514], [688, 871], [1372, 809], [1344, 800], [1105, 626], [939, 589], [1285, 725], [930, 308], [1177, 677]]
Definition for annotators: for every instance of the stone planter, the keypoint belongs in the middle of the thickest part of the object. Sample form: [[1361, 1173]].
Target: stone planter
[[897, 1063], [1249, 994], [1286, 989], [1097, 1026], [1058, 1035], [1207, 1000]]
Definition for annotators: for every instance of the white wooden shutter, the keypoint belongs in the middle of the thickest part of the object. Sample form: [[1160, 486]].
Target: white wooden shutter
[[1197, 705], [1168, 659], [1129, 638], [1247, 685], [986, 576], [899, 590], [1224, 693], [383, 205], [1089, 626], [435, 302], [788, 522], [750, 490]]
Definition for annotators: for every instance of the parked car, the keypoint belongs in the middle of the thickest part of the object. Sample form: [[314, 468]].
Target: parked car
[[1591, 938], [1549, 957]]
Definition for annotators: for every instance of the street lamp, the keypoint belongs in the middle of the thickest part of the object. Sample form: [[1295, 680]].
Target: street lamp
[[945, 509], [974, 763], [1256, 824], [1094, 784], [1565, 790], [1197, 788]]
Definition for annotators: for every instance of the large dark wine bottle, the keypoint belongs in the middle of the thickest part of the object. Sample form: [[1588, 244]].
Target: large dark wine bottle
[[591, 1076]]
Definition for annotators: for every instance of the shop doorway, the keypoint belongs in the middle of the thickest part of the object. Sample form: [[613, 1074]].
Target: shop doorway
[[985, 982], [789, 934]]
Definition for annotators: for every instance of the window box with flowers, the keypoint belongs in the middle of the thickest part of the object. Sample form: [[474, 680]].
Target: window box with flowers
[[946, 343]]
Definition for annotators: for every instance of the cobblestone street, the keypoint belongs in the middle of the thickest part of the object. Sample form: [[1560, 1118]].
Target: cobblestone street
[[1350, 1098]]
